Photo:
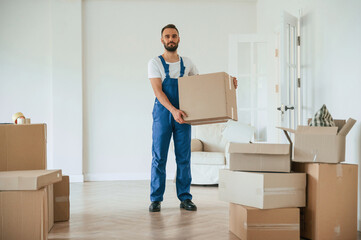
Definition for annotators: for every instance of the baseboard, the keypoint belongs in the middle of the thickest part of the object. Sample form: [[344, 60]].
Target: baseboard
[[76, 178], [93, 177]]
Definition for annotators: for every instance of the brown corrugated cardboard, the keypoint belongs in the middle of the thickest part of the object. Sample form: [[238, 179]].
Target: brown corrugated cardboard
[[263, 157], [23, 147], [29, 179], [24, 215], [207, 98], [50, 189], [262, 190], [331, 211], [249, 223], [61, 200], [321, 144]]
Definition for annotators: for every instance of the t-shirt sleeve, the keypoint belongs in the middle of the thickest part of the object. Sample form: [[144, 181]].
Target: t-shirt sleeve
[[153, 70], [193, 69]]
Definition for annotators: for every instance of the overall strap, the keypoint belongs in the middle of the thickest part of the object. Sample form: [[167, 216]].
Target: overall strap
[[166, 67], [182, 68]]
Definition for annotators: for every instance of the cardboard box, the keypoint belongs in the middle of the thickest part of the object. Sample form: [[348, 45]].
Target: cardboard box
[[24, 215], [23, 147], [207, 98], [321, 144], [259, 224], [331, 211], [28, 180], [50, 189], [262, 190], [262, 157], [61, 200]]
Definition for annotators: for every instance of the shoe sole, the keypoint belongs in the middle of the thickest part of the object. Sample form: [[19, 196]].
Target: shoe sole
[[157, 210]]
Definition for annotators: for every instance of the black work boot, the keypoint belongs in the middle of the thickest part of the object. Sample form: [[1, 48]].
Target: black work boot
[[154, 206], [188, 205]]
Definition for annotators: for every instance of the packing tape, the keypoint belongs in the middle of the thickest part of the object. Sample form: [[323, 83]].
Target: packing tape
[[337, 230], [232, 113], [339, 170], [16, 116], [273, 226], [230, 82], [281, 191], [62, 199]]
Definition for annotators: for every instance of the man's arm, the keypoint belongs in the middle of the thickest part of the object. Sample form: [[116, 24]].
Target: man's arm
[[163, 99]]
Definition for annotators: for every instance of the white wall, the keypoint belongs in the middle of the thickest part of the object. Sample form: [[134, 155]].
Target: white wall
[[119, 39], [25, 62], [331, 51], [81, 67]]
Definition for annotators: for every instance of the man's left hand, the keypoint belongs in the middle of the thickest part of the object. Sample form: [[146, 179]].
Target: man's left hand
[[235, 82]]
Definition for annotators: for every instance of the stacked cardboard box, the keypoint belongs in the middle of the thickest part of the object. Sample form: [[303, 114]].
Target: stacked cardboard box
[[331, 211], [24, 203], [264, 195], [24, 148], [331, 205]]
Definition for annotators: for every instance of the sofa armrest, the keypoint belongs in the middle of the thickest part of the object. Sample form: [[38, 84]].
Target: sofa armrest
[[196, 145]]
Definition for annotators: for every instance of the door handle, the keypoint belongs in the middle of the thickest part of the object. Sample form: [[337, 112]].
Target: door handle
[[289, 108]]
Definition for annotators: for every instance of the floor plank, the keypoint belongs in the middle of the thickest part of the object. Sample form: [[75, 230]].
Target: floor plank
[[119, 210]]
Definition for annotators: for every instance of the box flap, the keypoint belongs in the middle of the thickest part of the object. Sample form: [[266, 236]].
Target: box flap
[[259, 148], [287, 129], [28, 180], [347, 127], [316, 130]]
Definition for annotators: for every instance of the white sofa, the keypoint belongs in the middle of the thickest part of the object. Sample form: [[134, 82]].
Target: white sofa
[[208, 153]]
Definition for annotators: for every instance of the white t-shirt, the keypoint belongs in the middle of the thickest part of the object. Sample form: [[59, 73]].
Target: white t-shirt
[[156, 69]]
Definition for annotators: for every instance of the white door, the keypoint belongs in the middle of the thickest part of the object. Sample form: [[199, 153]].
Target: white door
[[252, 61], [290, 81]]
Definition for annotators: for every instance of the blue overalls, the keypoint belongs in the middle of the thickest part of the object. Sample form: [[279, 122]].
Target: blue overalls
[[163, 127]]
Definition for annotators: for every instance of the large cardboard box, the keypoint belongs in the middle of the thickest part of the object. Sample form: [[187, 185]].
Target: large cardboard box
[[321, 144], [249, 223], [24, 215], [28, 180], [262, 190], [262, 157], [331, 211], [23, 147], [207, 98], [61, 200]]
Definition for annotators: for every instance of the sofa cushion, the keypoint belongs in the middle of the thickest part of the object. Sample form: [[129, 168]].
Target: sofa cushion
[[208, 158], [211, 136]]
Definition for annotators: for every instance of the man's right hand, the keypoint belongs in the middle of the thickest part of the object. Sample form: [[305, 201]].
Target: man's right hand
[[178, 116]]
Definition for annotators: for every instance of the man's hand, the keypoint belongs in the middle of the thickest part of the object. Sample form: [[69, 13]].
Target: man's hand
[[178, 115], [235, 82]]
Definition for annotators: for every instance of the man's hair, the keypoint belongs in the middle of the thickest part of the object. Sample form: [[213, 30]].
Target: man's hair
[[169, 26]]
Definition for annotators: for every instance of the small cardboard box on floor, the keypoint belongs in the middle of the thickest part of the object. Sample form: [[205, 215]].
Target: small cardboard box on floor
[[24, 214], [23, 147], [331, 211], [249, 223], [321, 144], [207, 98], [61, 200], [262, 190]]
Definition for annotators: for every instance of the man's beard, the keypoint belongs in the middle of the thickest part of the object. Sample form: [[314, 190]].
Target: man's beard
[[171, 49]]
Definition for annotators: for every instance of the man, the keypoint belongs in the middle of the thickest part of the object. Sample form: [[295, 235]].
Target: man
[[163, 72]]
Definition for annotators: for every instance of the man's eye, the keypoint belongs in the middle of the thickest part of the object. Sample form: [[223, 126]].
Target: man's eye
[[174, 36]]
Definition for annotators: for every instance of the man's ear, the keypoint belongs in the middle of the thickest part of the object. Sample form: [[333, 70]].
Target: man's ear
[[161, 40]]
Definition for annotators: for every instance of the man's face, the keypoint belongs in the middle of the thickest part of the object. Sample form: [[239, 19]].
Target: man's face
[[170, 39]]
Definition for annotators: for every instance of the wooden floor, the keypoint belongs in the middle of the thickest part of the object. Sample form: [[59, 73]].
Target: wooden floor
[[119, 210]]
